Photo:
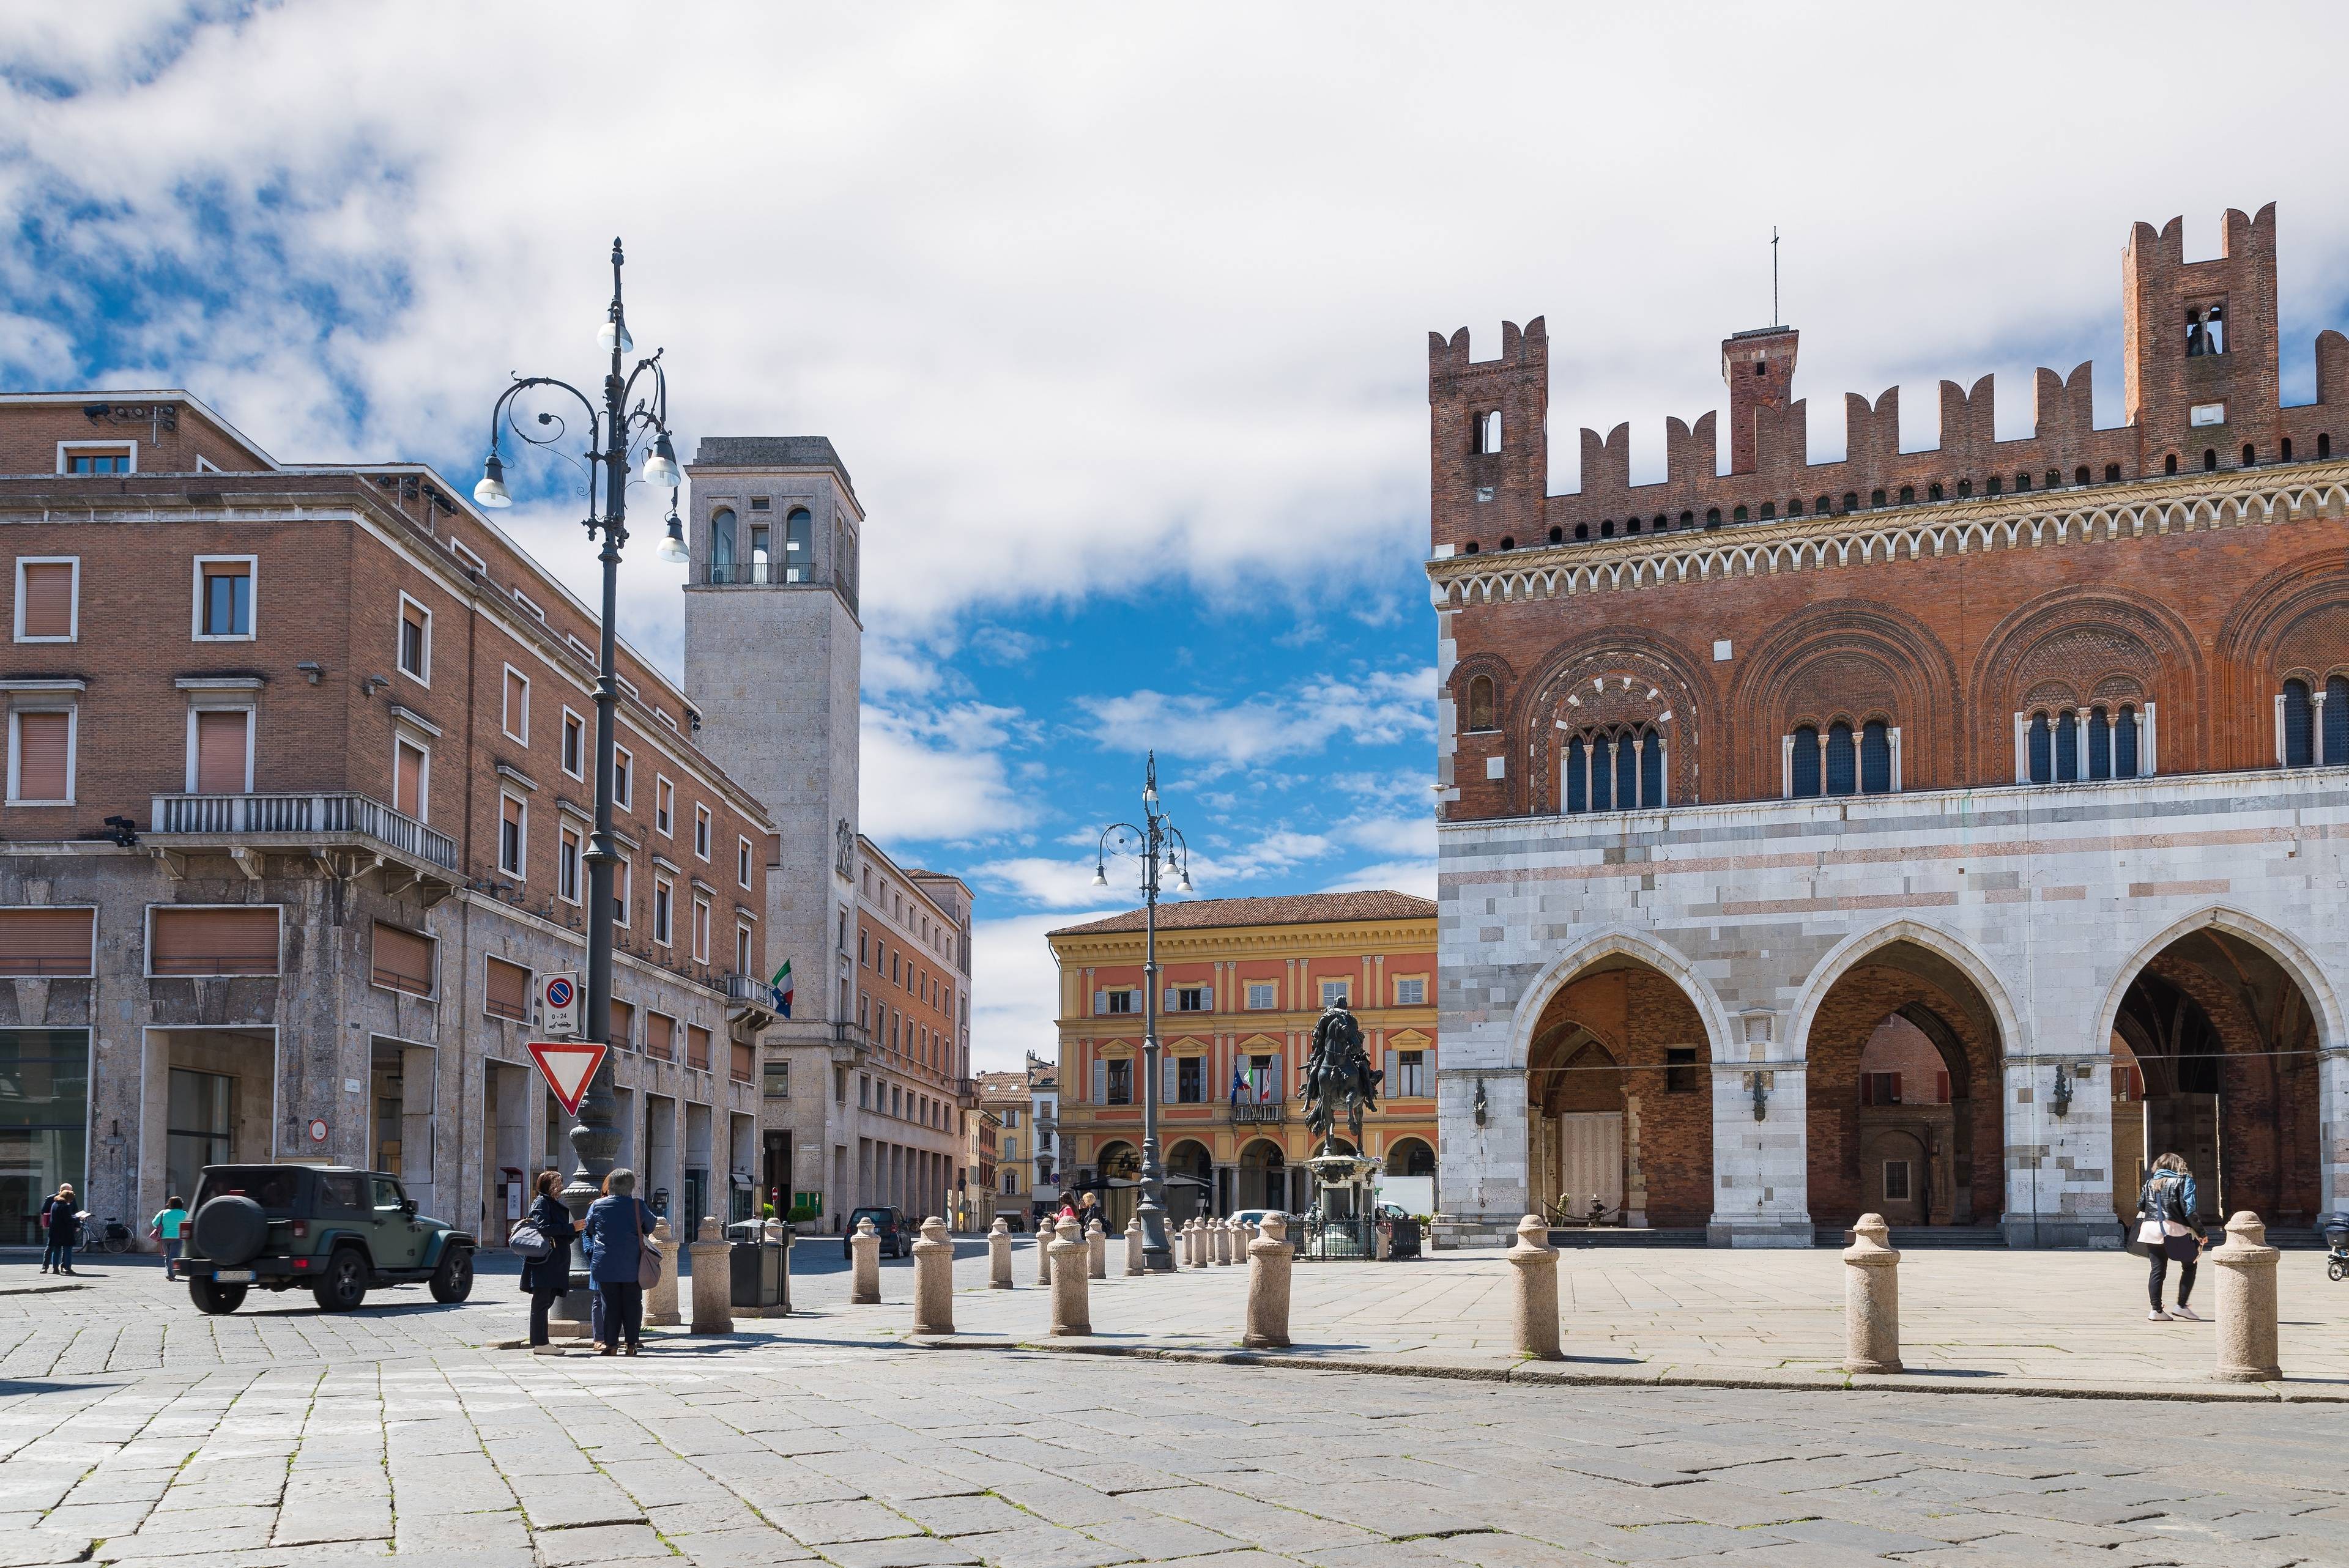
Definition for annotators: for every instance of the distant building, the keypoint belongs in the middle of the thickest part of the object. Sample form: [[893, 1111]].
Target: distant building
[[975, 1202], [1044, 1098], [1242, 983], [1004, 1097]]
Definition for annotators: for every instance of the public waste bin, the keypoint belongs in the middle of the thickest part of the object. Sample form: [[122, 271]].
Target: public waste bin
[[761, 1278]]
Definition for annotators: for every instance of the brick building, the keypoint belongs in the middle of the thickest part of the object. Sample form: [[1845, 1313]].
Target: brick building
[[1243, 981], [1938, 832], [298, 788], [867, 1084]]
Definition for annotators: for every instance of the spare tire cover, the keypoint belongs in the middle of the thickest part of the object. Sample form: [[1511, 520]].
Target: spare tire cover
[[230, 1230]]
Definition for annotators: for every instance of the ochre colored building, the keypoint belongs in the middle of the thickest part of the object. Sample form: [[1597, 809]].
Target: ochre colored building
[[1936, 832], [1242, 982]]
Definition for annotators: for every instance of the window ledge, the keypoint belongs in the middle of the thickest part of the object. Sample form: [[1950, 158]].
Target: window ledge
[[218, 683], [402, 714], [516, 777], [50, 683]]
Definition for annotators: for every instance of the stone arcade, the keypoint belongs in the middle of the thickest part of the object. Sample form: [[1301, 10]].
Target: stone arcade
[[1942, 833]]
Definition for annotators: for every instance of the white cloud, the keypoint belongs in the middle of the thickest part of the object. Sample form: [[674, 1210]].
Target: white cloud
[[1033, 879], [1400, 876], [1375, 708], [938, 775]]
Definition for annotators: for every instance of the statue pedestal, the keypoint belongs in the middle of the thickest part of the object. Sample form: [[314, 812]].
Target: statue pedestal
[[1343, 1203]]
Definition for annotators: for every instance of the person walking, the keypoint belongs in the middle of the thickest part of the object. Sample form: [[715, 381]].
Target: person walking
[[617, 1224], [60, 1229], [544, 1279], [2167, 1232], [165, 1228]]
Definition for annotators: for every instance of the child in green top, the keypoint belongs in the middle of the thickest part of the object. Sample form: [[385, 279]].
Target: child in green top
[[166, 1226]]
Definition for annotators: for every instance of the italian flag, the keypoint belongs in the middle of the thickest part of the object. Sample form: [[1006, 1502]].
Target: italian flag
[[782, 987]]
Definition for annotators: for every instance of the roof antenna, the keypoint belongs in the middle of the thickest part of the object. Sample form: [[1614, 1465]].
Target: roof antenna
[[1774, 276]]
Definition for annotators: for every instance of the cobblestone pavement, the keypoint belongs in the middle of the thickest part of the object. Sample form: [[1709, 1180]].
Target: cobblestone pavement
[[317, 1442]]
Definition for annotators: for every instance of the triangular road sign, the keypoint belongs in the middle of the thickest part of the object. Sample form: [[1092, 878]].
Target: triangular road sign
[[568, 1067]]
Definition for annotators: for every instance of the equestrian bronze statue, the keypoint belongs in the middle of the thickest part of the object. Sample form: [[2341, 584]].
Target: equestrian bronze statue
[[1338, 1076]]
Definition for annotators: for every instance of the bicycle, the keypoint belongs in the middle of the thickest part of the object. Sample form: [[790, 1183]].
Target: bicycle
[[114, 1237]]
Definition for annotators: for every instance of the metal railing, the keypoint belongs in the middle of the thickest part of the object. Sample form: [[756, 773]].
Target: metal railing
[[748, 574], [1270, 1114], [750, 988], [238, 815]]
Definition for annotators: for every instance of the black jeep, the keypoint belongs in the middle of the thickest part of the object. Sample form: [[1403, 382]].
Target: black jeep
[[337, 1233]]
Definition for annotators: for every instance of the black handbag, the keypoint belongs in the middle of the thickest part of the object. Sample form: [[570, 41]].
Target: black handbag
[[528, 1242]]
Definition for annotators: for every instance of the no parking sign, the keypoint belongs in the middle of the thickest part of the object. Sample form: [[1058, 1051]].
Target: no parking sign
[[558, 1003]]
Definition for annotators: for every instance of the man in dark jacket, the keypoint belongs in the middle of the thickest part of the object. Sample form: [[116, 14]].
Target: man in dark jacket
[[544, 1279], [61, 1228]]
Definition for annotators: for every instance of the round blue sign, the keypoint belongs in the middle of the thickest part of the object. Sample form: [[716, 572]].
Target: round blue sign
[[558, 993]]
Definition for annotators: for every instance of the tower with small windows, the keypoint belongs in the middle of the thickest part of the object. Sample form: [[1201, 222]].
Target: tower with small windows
[[1759, 367], [1489, 456], [772, 659]]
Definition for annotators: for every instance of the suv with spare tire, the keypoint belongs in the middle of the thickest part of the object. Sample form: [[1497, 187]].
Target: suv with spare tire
[[335, 1232]]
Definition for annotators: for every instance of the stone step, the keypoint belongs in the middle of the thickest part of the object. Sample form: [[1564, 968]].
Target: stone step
[[1618, 1236], [1926, 1238]]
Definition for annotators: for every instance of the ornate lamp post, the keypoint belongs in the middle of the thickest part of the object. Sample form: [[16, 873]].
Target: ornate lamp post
[[1157, 839], [612, 431]]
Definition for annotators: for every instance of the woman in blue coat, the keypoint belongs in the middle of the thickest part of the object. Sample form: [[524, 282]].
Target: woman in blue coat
[[617, 1224], [544, 1279]]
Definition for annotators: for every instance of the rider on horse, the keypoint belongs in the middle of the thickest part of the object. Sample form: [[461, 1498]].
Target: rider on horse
[[1339, 1072]]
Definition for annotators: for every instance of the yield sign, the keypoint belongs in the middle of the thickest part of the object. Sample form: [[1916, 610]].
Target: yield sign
[[568, 1065]]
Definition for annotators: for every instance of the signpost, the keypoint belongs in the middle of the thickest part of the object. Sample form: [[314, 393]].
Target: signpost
[[568, 1067], [559, 1002]]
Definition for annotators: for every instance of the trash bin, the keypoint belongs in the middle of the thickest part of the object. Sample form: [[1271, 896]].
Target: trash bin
[[759, 1277]]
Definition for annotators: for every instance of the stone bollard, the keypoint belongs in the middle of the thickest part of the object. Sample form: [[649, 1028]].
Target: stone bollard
[[1270, 1261], [865, 1270], [999, 1256], [1199, 1229], [1071, 1312], [713, 1280], [2246, 1303], [1134, 1246], [1045, 1231], [1096, 1249], [1247, 1236], [1871, 1300], [1226, 1252], [660, 1302], [933, 1279], [1535, 1262]]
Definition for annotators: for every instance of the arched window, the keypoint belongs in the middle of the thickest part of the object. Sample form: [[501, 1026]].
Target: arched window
[[1632, 526], [1480, 703], [799, 551], [1578, 777], [1805, 783], [2067, 747], [2209, 460], [2324, 445], [1581, 531], [2299, 726], [1875, 498], [1556, 535], [1688, 520], [1843, 761], [2043, 751], [1769, 510], [1822, 506], [1965, 488], [2112, 474], [2100, 744], [2284, 451], [1627, 771], [721, 545], [1713, 517], [1933, 493], [1468, 548], [1602, 774], [2080, 475], [2054, 479], [1876, 758], [1738, 516], [2336, 722], [2021, 483], [2170, 464], [1507, 543], [1606, 529], [1662, 522], [1651, 768], [1997, 484], [1908, 495], [2125, 743], [2251, 455], [1851, 500]]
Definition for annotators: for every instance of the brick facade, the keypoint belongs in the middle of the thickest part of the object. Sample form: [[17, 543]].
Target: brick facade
[[1949, 736]]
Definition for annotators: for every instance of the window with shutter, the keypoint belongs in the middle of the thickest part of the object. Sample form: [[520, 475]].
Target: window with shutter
[[409, 778], [225, 598], [241, 941], [41, 762], [508, 990], [401, 960], [623, 1036], [46, 941], [1101, 1083], [222, 750], [45, 601], [517, 714], [1100, 1003], [660, 1037], [415, 640], [512, 834], [697, 1046]]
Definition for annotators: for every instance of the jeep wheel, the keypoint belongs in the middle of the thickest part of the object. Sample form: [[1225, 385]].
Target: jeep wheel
[[211, 1296], [452, 1282], [344, 1285]]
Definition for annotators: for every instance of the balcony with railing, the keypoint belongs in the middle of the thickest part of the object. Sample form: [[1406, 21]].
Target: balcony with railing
[[251, 820], [753, 574], [1268, 1113]]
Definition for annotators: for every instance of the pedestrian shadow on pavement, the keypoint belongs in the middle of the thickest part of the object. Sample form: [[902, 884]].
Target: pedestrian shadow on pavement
[[10, 1386]]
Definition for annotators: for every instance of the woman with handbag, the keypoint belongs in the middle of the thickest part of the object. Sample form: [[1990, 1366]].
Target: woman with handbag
[[2168, 1232], [543, 1239], [617, 1260]]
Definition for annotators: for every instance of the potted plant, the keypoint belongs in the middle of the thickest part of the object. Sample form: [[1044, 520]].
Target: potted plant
[[804, 1217]]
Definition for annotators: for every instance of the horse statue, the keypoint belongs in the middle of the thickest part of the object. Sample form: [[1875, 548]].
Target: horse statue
[[1338, 1077]]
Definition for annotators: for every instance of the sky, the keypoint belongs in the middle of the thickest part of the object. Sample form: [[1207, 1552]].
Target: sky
[[1118, 315]]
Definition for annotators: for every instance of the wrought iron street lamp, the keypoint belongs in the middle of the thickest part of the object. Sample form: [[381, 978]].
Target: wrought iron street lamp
[[1155, 840], [613, 432]]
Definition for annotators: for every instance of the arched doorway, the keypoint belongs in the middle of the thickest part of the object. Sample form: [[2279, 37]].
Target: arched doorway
[[1118, 1168], [1263, 1176], [2225, 1043], [1190, 1181], [1410, 1157], [1619, 1100], [1903, 1060]]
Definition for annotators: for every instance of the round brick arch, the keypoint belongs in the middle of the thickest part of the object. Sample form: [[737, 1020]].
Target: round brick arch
[[1594, 949], [2295, 960], [1853, 951]]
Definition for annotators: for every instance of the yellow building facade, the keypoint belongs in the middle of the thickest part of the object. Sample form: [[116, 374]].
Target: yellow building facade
[[1241, 984]]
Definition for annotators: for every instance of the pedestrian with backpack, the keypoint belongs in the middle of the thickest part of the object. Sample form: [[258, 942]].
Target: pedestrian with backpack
[[2167, 1232]]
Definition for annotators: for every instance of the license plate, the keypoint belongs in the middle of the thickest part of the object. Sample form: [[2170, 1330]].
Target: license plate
[[232, 1276]]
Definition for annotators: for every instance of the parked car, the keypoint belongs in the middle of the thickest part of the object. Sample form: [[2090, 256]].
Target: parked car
[[1404, 1237], [889, 1225], [334, 1231], [1256, 1217]]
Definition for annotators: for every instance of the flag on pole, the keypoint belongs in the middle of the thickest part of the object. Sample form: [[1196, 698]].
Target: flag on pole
[[782, 987], [1239, 1084]]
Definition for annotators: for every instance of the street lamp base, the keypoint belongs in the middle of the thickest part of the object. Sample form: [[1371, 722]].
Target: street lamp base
[[1159, 1262]]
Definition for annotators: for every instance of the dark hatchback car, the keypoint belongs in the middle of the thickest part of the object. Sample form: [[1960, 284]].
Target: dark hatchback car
[[889, 1225], [338, 1233]]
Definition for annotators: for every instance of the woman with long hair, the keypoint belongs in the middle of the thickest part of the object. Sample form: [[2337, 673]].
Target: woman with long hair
[[544, 1279], [2170, 1233]]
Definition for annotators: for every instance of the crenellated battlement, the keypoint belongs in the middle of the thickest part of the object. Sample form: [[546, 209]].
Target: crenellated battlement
[[2199, 358]]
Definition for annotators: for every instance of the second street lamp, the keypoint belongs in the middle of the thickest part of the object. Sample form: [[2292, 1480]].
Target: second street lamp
[[1156, 840], [612, 431]]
